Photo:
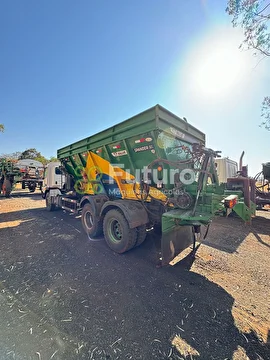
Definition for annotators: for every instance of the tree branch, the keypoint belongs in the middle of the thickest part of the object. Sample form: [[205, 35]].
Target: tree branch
[[263, 9], [264, 52]]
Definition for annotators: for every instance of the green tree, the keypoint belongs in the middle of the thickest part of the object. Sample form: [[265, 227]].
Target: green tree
[[253, 16], [266, 112], [30, 154], [27, 154], [13, 156], [42, 159], [2, 128], [35, 155], [53, 159]]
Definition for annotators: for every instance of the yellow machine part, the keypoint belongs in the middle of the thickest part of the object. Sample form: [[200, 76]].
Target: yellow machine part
[[97, 165]]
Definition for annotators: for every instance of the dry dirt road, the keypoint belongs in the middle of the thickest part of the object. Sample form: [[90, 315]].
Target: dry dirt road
[[64, 297]]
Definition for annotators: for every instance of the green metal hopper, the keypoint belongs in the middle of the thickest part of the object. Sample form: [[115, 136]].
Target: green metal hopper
[[157, 159]]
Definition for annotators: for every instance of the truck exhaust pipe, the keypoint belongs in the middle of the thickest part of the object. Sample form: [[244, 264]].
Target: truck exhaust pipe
[[241, 161]]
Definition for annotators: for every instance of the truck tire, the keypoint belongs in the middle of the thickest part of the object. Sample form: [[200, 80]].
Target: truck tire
[[141, 234], [91, 223], [49, 205], [32, 187], [118, 235], [7, 187]]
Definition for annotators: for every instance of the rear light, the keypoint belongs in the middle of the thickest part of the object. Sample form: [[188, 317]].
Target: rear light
[[230, 201]]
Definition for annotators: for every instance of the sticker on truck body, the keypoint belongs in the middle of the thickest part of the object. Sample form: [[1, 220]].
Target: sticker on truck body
[[143, 148], [148, 139], [177, 133], [119, 153]]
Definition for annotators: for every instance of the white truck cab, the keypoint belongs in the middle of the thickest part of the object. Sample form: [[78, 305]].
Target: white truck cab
[[226, 168], [54, 178]]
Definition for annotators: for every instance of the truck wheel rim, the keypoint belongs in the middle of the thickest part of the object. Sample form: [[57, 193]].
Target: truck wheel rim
[[115, 231], [88, 219]]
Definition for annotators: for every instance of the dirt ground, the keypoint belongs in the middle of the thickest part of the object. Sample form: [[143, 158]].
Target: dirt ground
[[65, 297]]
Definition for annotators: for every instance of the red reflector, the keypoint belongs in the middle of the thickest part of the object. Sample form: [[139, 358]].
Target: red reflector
[[230, 201], [140, 141]]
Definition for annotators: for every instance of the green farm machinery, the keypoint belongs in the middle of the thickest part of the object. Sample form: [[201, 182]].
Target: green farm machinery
[[151, 171], [28, 172], [262, 182]]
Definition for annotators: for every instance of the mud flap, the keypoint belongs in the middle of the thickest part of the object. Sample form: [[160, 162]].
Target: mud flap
[[180, 231], [173, 242]]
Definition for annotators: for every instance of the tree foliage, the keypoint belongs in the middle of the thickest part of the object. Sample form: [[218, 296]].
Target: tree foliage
[[53, 159], [253, 16], [266, 112], [2, 128], [28, 154], [13, 156], [42, 159], [33, 154]]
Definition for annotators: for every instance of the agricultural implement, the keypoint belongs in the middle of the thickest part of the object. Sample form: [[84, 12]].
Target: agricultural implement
[[241, 193], [28, 172], [262, 183], [249, 193], [151, 171]]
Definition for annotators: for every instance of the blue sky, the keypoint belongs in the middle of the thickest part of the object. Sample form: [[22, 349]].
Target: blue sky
[[70, 69]]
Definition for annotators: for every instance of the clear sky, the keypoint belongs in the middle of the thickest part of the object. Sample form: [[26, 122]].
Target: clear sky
[[69, 69]]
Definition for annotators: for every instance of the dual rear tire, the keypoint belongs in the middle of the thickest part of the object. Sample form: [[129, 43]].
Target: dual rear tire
[[115, 227], [117, 233], [91, 223]]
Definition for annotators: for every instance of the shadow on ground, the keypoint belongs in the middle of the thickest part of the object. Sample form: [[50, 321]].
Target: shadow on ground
[[22, 193], [82, 301], [223, 238]]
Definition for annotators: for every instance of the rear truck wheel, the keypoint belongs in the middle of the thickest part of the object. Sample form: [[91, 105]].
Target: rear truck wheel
[[91, 223], [49, 205], [7, 188], [141, 234], [32, 187], [118, 235]]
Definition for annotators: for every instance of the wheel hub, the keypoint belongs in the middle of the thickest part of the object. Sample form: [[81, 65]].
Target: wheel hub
[[116, 230], [89, 220]]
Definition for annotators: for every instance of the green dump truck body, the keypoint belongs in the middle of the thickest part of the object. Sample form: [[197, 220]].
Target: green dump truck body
[[136, 142], [153, 139], [143, 125], [152, 168]]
